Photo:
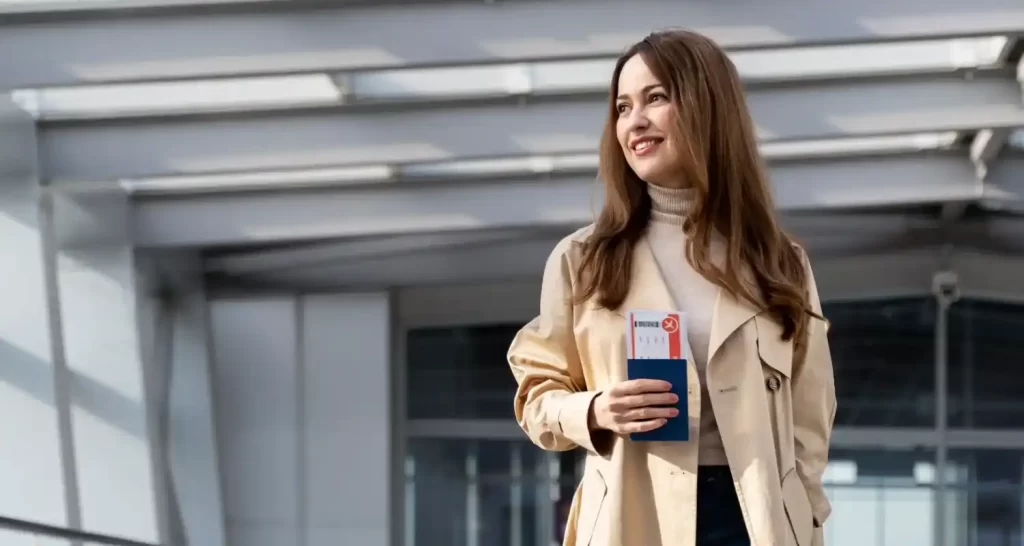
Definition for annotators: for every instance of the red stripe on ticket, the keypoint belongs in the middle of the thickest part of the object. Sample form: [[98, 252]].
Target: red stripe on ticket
[[675, 343], [656, 334]]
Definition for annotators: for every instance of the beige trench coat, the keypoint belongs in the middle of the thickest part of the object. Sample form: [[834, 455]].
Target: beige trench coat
[[775, 416]]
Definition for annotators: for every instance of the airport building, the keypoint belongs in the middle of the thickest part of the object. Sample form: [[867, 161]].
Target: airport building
[[260, 260]]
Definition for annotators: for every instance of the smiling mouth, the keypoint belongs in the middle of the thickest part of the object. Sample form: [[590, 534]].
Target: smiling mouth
[[645, 146]]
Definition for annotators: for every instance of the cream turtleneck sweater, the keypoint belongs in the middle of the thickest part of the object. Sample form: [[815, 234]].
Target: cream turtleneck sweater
[[693, 295]]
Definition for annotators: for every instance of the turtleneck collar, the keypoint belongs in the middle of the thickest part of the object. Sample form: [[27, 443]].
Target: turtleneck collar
[[671, 205]]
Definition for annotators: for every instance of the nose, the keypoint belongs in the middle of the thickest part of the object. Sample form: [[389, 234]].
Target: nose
[[637, 120]]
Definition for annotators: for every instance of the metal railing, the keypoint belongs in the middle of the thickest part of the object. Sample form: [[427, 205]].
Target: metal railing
[[73, 537]]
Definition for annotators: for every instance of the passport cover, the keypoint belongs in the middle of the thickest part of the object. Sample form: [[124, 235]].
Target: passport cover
[[673, 370]]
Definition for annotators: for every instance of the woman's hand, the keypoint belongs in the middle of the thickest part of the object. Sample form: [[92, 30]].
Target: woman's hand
[[637, 405]]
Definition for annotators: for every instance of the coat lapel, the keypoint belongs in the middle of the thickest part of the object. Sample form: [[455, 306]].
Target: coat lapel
[[730, 314]]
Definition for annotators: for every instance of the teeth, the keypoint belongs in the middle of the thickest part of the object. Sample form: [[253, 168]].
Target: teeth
[[644, 145]]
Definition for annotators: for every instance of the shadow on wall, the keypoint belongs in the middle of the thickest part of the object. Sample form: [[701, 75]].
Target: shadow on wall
[[29, 373]]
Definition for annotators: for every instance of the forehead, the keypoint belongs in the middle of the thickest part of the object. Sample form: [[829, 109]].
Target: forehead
[[635, 76]]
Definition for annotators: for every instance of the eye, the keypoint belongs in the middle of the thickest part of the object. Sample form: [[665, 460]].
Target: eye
[[657, 96], [621, 108]]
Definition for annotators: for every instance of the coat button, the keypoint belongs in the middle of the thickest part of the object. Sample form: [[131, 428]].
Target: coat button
[[773, 383]]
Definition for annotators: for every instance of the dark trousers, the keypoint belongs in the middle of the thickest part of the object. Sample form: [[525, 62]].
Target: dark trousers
[[719, 517]]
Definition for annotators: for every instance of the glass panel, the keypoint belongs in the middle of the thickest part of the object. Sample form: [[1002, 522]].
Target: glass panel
[[869, 58], [881, 498], [857, 145], [446, 82], [989, 485], [883, 354], [460, 373], [483, 493], [181, 96], [572, 76], [984, 386], [1016, 139]]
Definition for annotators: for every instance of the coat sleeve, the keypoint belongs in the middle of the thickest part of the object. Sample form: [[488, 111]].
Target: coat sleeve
[[814, 407], [551, 402]]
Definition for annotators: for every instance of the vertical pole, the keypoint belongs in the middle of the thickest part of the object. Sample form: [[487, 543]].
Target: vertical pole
[[515, 493], [301, 431], [945, 287], [546, 492], [410, 501], [472, 497]]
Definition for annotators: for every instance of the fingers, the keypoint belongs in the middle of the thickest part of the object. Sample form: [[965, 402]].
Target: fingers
[[639, 405], [640, 426], [627, 403], [648, 413], [640, 386]]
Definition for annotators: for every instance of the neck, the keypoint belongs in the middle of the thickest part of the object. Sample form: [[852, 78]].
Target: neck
[[670, 205]]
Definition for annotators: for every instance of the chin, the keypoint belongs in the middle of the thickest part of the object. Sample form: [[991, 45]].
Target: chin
[[651, 175]]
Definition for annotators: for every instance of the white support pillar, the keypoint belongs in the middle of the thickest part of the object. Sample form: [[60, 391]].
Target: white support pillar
[[346, 355], [195, 494], [303, 393], [255, 381], [33, 472], [108, 326]]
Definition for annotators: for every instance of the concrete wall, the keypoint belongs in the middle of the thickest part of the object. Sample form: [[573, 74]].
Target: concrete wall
[[304, 418], [31, 472]]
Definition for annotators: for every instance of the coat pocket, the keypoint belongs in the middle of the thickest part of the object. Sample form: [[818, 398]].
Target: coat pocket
[[798, 508], [594, 490]]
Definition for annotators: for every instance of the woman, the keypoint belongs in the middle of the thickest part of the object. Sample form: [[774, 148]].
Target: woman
[[687, 225]]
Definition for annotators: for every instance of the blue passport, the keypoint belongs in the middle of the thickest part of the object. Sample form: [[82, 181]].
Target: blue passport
[[676, 429]]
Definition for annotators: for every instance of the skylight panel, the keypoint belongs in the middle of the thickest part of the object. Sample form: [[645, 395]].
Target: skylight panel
[[802, 149], [869, 58], [180, 96]]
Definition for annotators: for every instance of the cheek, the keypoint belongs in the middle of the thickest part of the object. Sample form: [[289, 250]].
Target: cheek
[[665, 120], [620, 134]]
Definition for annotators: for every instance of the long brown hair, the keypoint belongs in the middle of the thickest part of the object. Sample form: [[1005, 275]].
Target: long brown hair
[[723, 164]]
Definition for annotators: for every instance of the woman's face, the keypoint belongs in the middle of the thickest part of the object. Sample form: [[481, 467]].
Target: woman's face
[[646, 125]]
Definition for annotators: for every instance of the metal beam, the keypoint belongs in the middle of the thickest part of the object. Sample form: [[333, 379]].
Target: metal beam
[[391, 209], [338, 137], [846, 244], [513, 296], [317, 254], [190, 45], [870, 276], [524, 259], [822, 231], [64, 10], [842, 437], [522, 80]]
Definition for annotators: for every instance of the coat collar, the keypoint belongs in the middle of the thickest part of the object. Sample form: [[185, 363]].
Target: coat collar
[[649, 291]]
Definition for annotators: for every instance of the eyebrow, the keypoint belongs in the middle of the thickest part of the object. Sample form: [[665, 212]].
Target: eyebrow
[[643, 90]]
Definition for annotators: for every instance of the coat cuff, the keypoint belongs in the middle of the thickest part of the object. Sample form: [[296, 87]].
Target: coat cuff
[[572, 422], [821, 510]]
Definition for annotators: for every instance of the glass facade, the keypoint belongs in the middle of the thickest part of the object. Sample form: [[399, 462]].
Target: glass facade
[[985, 340], [473, 479], [883, 356]]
